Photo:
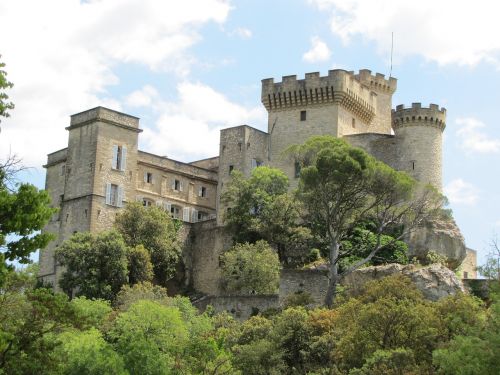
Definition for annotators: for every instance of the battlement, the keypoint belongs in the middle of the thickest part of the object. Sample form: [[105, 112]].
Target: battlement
[[377, 82], [339, 86], [103, 114], [418, 115]]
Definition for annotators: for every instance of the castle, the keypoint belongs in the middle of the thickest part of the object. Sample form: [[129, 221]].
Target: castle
[[102, 169]]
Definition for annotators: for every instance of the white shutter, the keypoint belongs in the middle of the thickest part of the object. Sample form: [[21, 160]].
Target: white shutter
[[185, 214], [200, 191], [254, 163], [119, 201], [180, 185], [194, 216], [108, 193], [123, 159], [145, 176], [159, 203], [167, 206], [173, 184], [114, 162]]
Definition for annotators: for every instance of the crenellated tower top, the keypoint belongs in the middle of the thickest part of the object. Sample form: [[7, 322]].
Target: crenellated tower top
[[356, 92], [418, 115], [377, 82]]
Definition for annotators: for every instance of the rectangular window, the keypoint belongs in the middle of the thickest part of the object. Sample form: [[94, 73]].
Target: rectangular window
[[466, 275], [202, 216], [119, 157], [353, 123], [185, 214], [297, 169], [231, 167], [175, 212], [302, 115], [147, 202], [177, 185], [148, 177], [202, 192], [114, 195]]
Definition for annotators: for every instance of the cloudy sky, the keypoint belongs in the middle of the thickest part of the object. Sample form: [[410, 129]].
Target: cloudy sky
[[188, 68]]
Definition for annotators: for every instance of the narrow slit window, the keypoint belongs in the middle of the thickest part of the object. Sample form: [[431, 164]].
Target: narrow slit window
[[303, 115]]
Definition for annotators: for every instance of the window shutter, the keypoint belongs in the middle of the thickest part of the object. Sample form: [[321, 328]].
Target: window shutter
[[173, 184], [108, 193], [185, 214], [114, 162], [123, 159], [168, 206], [180, 185], [254, 163], [145, 176], [119, 202], [159, 203], [200, 191], [194, 216], [152, 178]]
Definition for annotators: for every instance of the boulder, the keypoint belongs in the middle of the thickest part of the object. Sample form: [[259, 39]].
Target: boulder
[[441, 236], [434, 281]]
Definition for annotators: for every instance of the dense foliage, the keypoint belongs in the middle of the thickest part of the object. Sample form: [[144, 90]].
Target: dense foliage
[[387, 329], [251, 269], [24, 211], [156, 231], [262, 209], [5, 104]]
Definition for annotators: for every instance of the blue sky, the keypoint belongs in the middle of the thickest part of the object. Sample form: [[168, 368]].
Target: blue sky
[[189, 68]]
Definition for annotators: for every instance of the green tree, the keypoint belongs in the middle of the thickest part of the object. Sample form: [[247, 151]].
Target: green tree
[[87, 353], [154, 229], [23, 213], [343, 185], [95, 264], [128, 295], [251, 268], [5, 104], [139, 265], [262, 209], [150, 337], [475, 350], [29, 319]]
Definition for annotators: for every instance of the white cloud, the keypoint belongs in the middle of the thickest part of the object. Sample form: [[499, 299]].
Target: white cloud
[[143, 97], [319, 51], [189, 128], [497, 223], [473, 139], [445, 31], [62, 56], [243, 32], [459, 191]]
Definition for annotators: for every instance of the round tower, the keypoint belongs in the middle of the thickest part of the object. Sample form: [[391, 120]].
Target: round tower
[[419, 135]]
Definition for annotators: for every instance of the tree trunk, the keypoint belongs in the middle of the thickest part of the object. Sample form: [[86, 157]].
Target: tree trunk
[[333, 274]]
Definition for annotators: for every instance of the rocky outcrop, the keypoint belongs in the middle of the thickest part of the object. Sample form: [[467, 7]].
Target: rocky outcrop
[[441, 236], [434, 281]]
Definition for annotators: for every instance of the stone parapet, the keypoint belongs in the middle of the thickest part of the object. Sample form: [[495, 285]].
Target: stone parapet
[[418, 115], [377, 82], [105, 115], [339, 86]]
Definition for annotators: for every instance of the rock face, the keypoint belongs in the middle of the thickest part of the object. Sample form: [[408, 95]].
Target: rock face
[[441, 236], [434, 281]]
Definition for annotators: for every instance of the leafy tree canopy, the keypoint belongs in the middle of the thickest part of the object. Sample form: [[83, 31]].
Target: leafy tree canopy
[[5, 104], [251, 269], [262, 209], [98, 265], [343, 185], [154, 229]]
